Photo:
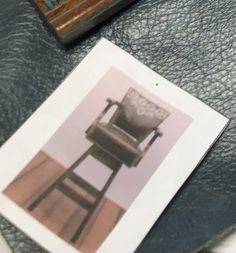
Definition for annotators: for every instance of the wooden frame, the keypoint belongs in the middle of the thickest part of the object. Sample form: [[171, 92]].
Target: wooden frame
[[70, 19]]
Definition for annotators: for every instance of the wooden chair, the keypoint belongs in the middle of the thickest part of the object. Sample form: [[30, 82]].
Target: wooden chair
[[115, 143]]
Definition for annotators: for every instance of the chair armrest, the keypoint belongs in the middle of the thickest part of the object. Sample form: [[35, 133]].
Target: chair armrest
[[111, 103], [157, 133]]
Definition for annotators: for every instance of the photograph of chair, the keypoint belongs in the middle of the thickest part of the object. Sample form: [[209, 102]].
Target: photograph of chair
[[114, 143], [84, 180]]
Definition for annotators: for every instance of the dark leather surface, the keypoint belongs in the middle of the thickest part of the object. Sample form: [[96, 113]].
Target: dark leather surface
[[190, 42]]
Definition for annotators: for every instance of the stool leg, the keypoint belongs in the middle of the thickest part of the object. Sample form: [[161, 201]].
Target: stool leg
[[56, 183], [90, 212]]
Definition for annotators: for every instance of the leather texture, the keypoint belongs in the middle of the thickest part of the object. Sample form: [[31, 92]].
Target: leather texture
[[190, 42]]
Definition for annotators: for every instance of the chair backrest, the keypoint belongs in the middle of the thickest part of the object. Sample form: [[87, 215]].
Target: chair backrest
[[138, 116]]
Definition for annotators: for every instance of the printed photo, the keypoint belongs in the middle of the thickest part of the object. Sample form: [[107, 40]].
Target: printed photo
[[83, 181]]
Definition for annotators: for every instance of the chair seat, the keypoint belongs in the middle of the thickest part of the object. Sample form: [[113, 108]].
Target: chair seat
[[116, 142]]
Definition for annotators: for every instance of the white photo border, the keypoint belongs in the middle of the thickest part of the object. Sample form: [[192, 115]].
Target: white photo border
[[19, 150]]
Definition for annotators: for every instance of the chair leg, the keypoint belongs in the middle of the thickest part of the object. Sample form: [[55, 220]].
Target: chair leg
[[112, 163], [91, 212], [56, 183]]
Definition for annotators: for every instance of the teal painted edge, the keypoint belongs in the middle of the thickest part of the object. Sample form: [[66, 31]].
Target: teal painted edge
[[95, 16], [49, 4]]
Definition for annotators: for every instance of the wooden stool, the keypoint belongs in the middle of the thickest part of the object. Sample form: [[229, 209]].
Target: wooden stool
[[90, 207]]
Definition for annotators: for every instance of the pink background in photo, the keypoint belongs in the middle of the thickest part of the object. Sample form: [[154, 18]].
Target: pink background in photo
[[69, 142]]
